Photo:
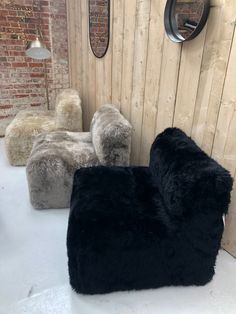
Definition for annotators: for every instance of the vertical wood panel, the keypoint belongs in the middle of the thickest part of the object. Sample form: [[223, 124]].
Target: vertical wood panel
[[100, 81], [75, 44], [229, 158], [117, 51], [107, 65], [77, 50], [91, 86], [104, 68], [226, 29], [168, 85], [70, 31], [207, 74], [128, 53], [84, 58], [229, 237], [224, 147], [154, 61], [191, 58], [107, 89], [139, 72]]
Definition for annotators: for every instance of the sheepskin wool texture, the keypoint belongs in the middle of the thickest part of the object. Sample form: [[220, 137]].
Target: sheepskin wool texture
[[111, 136], [56, 156], [21, 132], [69, 111], [134, 228], [52, 164]]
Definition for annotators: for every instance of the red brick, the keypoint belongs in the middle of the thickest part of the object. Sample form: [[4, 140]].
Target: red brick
[[19, 64], [37, 75], [6, 106], [36, 65]]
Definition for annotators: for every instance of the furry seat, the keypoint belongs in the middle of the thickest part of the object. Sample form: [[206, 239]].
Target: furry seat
[[148, 227], [57, 155], [54, 159], [21, 132]]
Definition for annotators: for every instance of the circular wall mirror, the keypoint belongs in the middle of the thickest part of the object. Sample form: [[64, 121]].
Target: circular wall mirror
[[185, 19]]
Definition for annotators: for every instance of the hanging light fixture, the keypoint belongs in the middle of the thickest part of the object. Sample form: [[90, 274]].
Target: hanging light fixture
[[36, 49]]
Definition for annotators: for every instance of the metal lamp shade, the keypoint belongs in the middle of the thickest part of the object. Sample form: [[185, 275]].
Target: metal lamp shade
[[37, 50]]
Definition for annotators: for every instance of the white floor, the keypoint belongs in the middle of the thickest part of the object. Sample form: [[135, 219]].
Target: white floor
[[33, 266]]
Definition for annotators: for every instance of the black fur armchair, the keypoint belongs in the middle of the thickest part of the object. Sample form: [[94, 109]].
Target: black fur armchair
[[147, 227]]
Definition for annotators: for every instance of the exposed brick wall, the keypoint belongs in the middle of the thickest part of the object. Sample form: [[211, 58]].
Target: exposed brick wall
[[22, 83], [188, 10], [98, 26]]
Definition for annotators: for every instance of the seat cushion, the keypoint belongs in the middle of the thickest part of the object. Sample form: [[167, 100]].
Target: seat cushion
[[51, 166], [21, 132], [121, 236]]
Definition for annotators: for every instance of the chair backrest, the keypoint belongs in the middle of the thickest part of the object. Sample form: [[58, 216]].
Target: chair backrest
[[188, 179], [111, 136], [68, 111]]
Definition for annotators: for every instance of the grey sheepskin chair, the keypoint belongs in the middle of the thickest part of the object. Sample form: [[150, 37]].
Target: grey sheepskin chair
[[21, 132], [57, 155], [134, 228]]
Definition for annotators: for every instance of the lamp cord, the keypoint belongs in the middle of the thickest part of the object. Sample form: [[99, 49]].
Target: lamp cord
[[38, 4]]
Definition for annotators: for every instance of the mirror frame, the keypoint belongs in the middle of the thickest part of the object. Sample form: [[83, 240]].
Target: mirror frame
[[171, 25], [108, 26]]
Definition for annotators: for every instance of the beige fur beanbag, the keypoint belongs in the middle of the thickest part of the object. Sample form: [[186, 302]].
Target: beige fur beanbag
[[21, 132]]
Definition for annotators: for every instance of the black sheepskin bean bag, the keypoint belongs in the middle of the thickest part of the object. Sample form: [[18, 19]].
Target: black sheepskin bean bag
[[148, 227]]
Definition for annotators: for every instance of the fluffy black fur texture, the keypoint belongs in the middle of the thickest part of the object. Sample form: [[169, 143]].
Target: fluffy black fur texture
[[148, 227]]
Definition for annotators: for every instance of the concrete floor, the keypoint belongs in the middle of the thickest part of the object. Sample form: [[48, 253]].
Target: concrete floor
[[33, 266]]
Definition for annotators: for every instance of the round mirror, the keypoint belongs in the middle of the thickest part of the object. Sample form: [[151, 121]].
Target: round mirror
[[184, 19]]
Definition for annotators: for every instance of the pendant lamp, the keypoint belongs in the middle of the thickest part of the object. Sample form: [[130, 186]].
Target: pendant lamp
[[36, 49]]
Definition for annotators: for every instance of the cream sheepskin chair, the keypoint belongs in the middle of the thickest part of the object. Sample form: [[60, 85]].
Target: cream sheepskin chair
[[57, 155], [27, 124]]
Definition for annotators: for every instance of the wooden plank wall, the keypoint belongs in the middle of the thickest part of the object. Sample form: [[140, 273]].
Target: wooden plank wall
[[157, 83]]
